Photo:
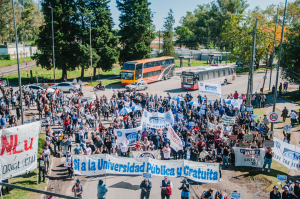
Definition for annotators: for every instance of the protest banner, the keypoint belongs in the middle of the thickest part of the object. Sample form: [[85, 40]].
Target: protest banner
[[18, 149], [127, 136], [146, 154], [228, 120], [175, 141], [269, 143], [157, 120], [248, 137], [235, 195], [287, 127], [104, 163], [282, 178], [249, 157], [232, 137], [286, 154], [253, 116], [209, 88], [147, 175]]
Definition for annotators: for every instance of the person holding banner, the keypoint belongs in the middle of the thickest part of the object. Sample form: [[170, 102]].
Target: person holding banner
[[101, 190], [145, 186]]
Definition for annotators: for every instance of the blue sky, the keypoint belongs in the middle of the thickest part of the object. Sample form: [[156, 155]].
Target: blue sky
[[180, 7]]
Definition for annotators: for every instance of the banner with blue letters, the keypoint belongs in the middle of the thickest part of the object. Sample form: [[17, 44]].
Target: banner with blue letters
[[105, 163], [209, 88], [157, 120], [127, 137], [249, 157]]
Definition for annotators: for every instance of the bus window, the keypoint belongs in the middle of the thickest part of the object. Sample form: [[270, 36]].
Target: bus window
[[229, 71], [171, 61], [218, 73], [139, 66], [224, 74], [214, 75], [128, 66], [167, 62], [127, 76], [157, 63], [200, 77]]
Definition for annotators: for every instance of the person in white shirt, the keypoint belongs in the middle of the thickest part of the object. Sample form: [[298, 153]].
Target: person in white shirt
[[167, 152], [114, 153], [88, 150], [293, 117], [86, 131]]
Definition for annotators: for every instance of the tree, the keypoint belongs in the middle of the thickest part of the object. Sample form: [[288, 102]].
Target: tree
[[135, 20], [168, 46], [6, 20], [184, 34], [290, 61]]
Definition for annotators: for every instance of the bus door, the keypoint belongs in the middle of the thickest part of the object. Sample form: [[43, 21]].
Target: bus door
[[139, 71]]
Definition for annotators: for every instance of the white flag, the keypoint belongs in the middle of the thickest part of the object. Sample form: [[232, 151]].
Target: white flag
[[175, 141]]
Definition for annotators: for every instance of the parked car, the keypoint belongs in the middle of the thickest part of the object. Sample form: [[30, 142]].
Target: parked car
[[137, 85], [66, 86], [34, 87]]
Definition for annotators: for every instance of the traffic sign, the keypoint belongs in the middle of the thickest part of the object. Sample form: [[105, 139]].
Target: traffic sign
[[147, 175], [273, 117], [235, 195]]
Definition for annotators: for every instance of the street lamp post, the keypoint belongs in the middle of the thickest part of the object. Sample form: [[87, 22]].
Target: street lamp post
[[278, 64], [19, 73], [272, 58], [91, 52], [53, 43]]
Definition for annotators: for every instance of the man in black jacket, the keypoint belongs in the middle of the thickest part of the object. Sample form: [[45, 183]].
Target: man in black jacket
[[286, 194], [146, 186]]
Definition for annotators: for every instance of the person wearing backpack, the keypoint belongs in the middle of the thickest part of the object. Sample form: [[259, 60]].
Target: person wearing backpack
[[220, 195], [185, 187]]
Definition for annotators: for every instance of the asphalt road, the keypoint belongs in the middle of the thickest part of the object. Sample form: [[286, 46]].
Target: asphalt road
[[128, 186]]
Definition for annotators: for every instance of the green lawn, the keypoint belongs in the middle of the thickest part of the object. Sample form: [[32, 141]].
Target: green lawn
[[109, 82], [27, 180], [194, 62], [41, 72], [293, 95], [246, 70], [4, 63]]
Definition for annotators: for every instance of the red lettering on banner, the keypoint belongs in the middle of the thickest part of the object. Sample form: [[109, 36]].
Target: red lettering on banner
[[6, 145], [15, 145], [175, 138], [30, 146]]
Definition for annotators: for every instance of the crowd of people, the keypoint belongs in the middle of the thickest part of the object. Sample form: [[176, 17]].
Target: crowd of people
[[90, 125]]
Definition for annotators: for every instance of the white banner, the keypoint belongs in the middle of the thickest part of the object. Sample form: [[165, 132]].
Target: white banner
[[209, 88], [286, 154], [224, 128], [104, 163], [249, 157], [175, 141], [18, 149], [146, 154], [228, 120], [157, 120], [127, 136]]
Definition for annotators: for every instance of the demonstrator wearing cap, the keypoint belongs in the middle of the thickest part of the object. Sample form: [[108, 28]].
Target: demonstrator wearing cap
[[101, 190], [275, 194], [78, 189], [297, 188], [185, 187]]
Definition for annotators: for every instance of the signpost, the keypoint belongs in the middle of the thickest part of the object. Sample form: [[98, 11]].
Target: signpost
[[273, 117]]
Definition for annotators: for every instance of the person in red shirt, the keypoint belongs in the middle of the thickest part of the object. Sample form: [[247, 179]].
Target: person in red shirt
[[235, 95]]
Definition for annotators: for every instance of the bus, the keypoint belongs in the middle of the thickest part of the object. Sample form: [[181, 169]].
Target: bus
[[218, 75], [148, 70]]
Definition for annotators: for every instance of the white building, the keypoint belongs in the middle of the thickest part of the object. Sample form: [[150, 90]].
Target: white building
[[22, 49]]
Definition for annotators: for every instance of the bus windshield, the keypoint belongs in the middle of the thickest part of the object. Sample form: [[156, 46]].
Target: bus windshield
[[127, 76], [128, 66], [187, 80]]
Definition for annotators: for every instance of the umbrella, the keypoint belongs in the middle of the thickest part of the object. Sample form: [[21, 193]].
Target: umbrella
[[178, 98], [136, 108], [124, 111], [193, 103], [50, 90]]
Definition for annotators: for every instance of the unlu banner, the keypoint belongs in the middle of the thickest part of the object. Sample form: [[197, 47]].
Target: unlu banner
[[18, 149]]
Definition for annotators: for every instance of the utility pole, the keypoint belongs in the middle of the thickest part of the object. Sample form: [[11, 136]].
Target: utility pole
[[272, 58], [53, 61], [226, 46], [159, 40], [25, 56], [19, 73], [278, 64], [251, 68], [91, 52]]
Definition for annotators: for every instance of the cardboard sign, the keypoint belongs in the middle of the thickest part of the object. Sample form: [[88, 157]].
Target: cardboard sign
[[282, 178], [248, 137], [147, 175], [269, 143], [232, 137], [249, 109]]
